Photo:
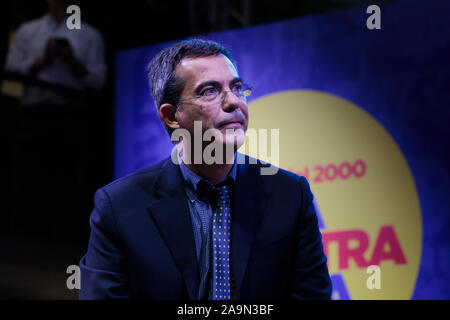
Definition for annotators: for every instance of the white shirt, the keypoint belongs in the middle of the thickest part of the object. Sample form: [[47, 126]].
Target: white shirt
[[87, 43]]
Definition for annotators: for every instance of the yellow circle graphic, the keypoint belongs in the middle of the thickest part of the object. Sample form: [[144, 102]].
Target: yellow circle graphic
[[364, 191]]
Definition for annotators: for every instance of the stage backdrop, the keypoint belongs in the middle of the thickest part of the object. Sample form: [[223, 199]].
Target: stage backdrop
[[363, 114]]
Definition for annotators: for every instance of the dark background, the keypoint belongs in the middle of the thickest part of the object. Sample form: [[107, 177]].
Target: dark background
[[34, 260]]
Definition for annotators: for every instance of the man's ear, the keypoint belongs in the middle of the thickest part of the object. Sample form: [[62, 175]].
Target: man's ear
[[167, 113]]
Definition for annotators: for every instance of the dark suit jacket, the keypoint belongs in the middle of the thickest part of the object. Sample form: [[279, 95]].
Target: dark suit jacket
[[142, 243]]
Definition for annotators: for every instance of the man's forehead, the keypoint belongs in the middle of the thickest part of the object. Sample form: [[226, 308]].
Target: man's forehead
[[199, 69]]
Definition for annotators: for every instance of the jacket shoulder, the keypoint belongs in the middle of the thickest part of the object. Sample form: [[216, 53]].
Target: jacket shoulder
[[147, 175]]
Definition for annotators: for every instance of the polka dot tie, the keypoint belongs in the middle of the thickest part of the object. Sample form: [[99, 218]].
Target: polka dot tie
[[221, 245]]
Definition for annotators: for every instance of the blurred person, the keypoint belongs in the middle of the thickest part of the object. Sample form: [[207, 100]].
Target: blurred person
[[46, 49], [183, 230], [51, 156]]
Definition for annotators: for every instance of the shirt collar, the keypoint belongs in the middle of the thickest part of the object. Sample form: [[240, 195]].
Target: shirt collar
[[191, 179]]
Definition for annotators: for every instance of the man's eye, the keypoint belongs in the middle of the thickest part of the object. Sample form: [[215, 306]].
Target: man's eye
[[209, 92], [237, 87]]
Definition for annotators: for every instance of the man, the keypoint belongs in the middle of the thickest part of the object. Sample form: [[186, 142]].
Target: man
[[202, 230]]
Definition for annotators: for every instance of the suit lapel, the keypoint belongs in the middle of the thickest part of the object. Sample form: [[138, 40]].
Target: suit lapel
[[249, 201], [171, 216]]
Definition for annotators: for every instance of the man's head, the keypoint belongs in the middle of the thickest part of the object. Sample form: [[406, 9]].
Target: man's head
[[197, 80]]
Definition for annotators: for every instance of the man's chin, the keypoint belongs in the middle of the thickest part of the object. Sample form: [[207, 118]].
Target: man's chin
[[236, 138]]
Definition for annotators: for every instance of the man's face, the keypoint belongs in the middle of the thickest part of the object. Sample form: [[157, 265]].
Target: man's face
[[201, 76]]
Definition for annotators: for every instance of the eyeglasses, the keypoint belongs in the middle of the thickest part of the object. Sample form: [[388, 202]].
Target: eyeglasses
[[213, 94]]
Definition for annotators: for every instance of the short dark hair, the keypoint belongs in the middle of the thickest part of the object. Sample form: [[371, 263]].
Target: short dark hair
[[165, 85]]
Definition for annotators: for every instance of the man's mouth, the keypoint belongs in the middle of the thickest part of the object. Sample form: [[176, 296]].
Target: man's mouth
[[231, 125]]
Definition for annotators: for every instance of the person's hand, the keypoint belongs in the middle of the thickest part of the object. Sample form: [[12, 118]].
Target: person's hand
[[59, 48], [45, 60], [63, 51]]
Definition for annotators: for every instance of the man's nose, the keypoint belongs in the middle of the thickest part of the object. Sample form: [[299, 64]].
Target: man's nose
[[230, 101]]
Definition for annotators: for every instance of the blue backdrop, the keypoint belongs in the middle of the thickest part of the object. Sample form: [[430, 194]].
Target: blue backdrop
[[399, 74]]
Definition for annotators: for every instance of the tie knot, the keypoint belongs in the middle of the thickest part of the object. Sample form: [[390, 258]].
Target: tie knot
[[223, 194], [219, 194]]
